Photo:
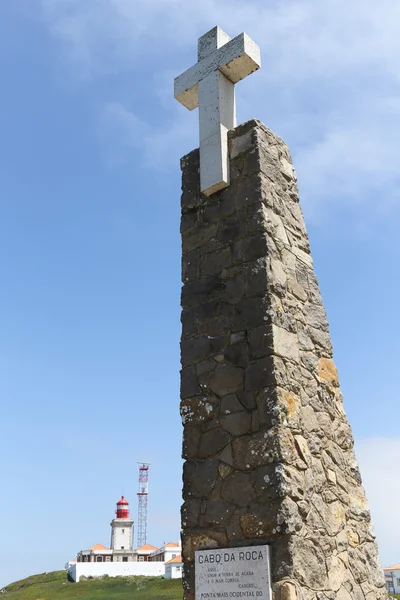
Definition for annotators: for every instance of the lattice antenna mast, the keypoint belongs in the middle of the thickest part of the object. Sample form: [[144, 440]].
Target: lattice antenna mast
[[143, 498]]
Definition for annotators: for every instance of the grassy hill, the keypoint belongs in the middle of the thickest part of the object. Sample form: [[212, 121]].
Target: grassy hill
[[54, 586]]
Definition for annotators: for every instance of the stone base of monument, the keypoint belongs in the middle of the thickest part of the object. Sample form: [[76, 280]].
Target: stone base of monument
[[269, 462]]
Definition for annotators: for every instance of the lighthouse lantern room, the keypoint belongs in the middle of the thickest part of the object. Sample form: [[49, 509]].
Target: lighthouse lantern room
[[122, 511]]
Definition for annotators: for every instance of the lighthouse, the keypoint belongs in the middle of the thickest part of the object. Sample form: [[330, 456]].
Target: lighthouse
[[146, 560], [122, 532]]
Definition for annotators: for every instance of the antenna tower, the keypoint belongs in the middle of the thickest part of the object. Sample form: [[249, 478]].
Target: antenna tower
[[143, 496]]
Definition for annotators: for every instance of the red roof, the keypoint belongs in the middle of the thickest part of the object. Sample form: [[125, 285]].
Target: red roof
[[146, 547], [393, 568], [122, 501], [177, 559], [98, 547], [172, 545]]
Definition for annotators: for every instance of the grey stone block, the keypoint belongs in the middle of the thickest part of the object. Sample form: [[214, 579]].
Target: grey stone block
[[226, 379], [212, 442]]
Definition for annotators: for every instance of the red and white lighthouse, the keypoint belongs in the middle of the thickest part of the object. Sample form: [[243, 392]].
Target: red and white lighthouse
[[122, 531], [122, 511]]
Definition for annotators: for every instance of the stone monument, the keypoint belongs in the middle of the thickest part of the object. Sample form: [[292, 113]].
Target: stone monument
[[273, 501]]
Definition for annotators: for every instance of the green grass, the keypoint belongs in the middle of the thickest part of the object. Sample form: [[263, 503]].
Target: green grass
[[54, 586]]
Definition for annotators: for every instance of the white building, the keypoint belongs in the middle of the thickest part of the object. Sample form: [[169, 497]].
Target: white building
[[96, 553], [121, 558], [392, 578], [115, 569], [166, 552], [173, 568], [142, 553]]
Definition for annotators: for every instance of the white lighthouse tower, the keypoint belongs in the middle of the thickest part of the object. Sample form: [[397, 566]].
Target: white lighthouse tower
[[122, 532]]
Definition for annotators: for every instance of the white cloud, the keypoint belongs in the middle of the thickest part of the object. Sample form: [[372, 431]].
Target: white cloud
[[299, 37], [354, 160], [329, 84], [379, 460]]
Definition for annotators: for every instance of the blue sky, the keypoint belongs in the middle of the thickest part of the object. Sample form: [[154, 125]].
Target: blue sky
[[90, 251]]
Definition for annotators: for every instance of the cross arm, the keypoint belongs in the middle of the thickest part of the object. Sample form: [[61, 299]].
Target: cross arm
[[236, 59]]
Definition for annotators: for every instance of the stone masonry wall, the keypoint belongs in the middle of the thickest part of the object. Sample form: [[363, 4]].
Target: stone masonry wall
[[267, 447]]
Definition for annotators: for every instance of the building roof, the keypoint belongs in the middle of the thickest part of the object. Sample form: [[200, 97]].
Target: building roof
[[98, 547], [146, 547], [393, 568], [170, 546], [177, 559], [122, 501]]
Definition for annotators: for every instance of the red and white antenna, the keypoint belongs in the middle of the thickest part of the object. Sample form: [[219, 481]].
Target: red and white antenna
[[143, 498]]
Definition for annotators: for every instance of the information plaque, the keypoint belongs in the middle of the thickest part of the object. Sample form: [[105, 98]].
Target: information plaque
[[233, 573]]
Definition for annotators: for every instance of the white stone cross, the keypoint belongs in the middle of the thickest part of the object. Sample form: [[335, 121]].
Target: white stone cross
[[209, 85]]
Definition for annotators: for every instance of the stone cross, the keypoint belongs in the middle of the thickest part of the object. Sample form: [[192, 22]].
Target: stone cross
[[209, 85]]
